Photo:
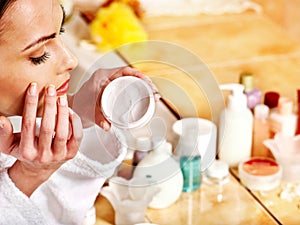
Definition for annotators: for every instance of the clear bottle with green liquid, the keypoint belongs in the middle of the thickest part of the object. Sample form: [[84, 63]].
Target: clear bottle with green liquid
[[190, 162]]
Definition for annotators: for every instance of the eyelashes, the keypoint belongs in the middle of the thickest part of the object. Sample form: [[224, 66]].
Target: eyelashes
[[41, 59], [46, 55]]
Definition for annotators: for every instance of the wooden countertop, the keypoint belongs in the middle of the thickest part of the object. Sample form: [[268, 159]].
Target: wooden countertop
[[201, 207]]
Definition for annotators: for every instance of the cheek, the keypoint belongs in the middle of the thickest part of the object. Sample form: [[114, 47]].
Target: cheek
[[12, 97], [13, 87]]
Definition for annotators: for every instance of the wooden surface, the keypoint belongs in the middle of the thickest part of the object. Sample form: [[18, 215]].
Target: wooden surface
[[281, 202], [201, 207]]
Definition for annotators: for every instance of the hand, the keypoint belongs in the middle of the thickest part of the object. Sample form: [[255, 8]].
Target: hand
[[86, 102], [39, 157]]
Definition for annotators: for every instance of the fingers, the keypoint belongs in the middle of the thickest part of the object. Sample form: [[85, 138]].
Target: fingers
[[47, 125], [77, 134], [28, 123], [62, 128], [129, 71]]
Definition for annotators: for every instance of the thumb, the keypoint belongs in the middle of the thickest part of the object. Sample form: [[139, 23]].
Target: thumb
[[6, 135]]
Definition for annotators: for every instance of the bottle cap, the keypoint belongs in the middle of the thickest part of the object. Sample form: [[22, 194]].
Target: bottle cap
[[128, 102], [143, 144], [218, 170], [261, 111], [271, 99], [246, 79]]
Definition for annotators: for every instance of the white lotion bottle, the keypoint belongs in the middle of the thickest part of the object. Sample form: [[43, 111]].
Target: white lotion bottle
[[163, 173], [236, 125]]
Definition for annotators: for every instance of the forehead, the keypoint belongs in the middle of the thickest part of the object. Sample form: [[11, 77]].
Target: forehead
[[28, 19]]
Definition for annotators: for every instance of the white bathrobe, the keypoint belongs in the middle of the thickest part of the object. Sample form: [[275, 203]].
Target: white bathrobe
[[70, 192]]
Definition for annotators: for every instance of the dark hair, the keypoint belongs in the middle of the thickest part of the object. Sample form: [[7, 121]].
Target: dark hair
[[4, 4]]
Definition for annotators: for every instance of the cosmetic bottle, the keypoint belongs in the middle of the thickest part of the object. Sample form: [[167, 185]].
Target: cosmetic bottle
[[253, 94], [283, 120], [236, 124], [162, 172], [216, 177], [190, 161], [298, 112], [261, 131]]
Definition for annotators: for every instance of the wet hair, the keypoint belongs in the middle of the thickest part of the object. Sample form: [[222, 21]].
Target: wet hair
[[4, 4]]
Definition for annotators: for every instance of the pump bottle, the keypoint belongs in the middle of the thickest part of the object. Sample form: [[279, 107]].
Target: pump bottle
[[236, 124]]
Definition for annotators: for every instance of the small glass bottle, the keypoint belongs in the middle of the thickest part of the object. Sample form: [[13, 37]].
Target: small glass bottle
[[253, 94], [190, 162], [216, 176]]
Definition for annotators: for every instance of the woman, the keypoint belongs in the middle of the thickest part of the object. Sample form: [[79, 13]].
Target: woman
[[37, 184]]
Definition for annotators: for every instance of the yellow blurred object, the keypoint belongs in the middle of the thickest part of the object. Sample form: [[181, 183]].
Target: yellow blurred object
[[116, 25]]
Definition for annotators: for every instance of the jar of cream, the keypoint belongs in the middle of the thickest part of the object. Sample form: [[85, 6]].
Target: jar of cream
[[260, 174], [128, 102]]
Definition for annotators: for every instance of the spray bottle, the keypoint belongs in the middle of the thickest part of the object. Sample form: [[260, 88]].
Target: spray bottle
[[236, 124]]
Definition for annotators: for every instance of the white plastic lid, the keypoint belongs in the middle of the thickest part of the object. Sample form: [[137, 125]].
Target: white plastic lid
[[143, 144], [261, 112], [164, 147], [128, 102], [218, 170]]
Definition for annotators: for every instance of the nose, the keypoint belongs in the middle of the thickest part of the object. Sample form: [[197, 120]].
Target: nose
[[68, 60]]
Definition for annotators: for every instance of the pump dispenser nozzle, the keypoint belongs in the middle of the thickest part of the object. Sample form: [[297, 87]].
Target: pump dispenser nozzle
[[237, 99]]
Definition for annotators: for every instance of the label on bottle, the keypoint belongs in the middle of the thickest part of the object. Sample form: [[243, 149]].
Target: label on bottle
[[190, 167]]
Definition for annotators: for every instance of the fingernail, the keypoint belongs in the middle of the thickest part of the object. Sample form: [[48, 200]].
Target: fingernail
[[33, 89], [51, 90], [63, 100]]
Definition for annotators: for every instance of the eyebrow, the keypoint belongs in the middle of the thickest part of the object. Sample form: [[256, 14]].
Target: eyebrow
[[48, 37]]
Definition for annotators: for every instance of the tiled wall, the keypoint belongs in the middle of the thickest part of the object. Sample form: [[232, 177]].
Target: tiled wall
[[231, 44], [286, 13]]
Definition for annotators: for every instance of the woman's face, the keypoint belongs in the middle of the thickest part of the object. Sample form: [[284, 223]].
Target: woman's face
[[31, 50]]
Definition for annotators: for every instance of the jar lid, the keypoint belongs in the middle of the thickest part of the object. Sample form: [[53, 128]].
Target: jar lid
[[218, 169], [260, 174], [128, 102]]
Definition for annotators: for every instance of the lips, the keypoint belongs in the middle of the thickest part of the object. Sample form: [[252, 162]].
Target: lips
[[63, 89]]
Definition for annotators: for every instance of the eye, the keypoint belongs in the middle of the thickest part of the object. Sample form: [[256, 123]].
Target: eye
[[41, 59]]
